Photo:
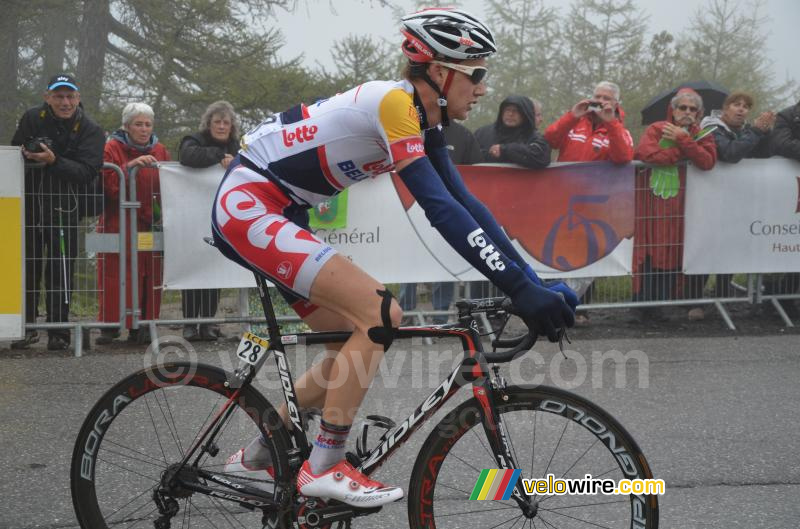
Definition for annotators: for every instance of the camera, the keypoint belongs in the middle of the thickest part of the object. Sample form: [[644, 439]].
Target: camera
[[595, 106], [32, 145]]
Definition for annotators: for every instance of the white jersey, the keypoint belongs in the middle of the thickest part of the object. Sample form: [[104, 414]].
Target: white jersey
[[317, 151]]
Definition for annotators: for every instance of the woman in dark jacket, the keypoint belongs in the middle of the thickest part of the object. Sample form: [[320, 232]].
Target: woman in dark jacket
[[217, 142], [514, 139], [786, 135]]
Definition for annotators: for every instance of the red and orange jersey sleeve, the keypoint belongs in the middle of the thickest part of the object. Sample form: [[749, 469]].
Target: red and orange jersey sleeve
[[400, 122]]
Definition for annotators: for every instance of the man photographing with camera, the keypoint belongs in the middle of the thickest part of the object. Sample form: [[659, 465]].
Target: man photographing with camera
[[592, 130], [64, 151]]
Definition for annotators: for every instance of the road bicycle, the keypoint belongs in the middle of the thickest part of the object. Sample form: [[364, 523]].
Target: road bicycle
[[152, 451]]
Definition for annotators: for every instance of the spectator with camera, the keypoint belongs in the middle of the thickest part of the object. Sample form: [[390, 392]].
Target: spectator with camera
[[134, 145], [513, 137], [658, 230], [68, 145], [593, 130], [216, 143]]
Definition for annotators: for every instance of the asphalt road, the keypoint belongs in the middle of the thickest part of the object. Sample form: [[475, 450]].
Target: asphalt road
[[717, 417]]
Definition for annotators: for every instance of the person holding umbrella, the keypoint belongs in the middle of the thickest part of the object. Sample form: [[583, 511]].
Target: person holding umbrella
[[658, 247]]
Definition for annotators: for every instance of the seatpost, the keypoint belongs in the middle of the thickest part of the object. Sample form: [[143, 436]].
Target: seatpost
[[269, 310]]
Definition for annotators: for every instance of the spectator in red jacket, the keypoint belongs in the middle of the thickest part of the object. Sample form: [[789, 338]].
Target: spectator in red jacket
[[658, 232], [134, 145], [592, 131]]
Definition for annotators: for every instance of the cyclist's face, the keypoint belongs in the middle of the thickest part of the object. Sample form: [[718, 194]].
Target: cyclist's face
[[463, 93]]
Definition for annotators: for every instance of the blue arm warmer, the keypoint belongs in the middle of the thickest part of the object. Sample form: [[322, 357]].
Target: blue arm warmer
[[440, 159], [460, 229]]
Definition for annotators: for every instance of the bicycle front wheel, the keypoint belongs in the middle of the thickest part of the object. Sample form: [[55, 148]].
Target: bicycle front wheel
[[549, 431], [133, 440]]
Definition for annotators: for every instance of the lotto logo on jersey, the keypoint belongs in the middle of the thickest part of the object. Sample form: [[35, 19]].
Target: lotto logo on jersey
[[415, 148], [300, 134], [487, 253]]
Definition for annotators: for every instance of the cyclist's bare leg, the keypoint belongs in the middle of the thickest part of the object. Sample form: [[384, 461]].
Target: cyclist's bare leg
[[347, 297], [310, 387], [347, 290]]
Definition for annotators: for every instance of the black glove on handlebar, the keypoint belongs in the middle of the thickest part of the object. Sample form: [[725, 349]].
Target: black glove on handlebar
[[542, 310]]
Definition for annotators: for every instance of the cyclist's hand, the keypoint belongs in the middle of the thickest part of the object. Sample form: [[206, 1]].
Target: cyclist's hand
[[531, 274], [543, 311], [569, 295]]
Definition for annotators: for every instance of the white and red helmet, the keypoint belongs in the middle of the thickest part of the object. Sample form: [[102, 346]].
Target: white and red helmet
[[446, 34]]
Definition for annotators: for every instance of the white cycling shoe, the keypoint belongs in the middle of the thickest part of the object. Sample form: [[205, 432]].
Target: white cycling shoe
[[265, 477], [344, 483]]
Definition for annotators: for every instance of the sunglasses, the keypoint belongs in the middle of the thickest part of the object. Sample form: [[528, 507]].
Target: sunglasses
[[684, 108], [476, 74]]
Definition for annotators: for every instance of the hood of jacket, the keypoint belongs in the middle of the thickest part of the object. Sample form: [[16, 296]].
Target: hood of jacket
[[121, 136], [791, 114], [709, 121], [525, 106]]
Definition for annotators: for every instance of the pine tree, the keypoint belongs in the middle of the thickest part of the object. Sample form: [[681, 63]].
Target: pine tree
[[727, 43]]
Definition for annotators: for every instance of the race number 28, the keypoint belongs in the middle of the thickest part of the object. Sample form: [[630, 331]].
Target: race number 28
[[251, 348]]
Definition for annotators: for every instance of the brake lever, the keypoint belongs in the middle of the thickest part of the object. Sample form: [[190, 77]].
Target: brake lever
[[562, 336]]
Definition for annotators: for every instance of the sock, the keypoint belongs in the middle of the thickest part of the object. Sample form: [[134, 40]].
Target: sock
[[256, 455], [329, 446]]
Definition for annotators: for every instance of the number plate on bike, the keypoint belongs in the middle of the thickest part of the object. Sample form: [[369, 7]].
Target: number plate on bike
[[251, 348]]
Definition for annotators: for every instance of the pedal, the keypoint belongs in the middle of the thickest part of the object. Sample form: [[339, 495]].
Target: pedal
[[378, 421]]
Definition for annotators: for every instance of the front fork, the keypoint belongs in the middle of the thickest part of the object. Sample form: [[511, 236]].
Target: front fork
[[486, 391]]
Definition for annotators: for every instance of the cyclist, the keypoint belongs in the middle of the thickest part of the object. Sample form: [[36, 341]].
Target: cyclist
[[308, 154]]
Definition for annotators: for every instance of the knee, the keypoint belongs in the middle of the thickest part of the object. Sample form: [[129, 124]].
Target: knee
[[376, 316], [382, 319], [395, 313]]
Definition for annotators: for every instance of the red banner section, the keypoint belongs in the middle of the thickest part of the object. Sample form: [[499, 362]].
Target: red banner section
[[566, 217]]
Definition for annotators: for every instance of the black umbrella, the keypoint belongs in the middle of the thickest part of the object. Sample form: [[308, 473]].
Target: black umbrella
[[713, 95]]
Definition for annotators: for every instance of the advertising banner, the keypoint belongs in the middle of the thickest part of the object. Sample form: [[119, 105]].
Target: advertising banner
[[573, 220], [743, 218], [12, 301]]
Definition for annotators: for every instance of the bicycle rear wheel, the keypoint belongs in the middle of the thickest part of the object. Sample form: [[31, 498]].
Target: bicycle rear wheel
[[139, 431], [549, 431]]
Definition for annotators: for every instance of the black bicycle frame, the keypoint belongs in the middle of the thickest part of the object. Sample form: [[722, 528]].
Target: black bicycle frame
[[473, 369]]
